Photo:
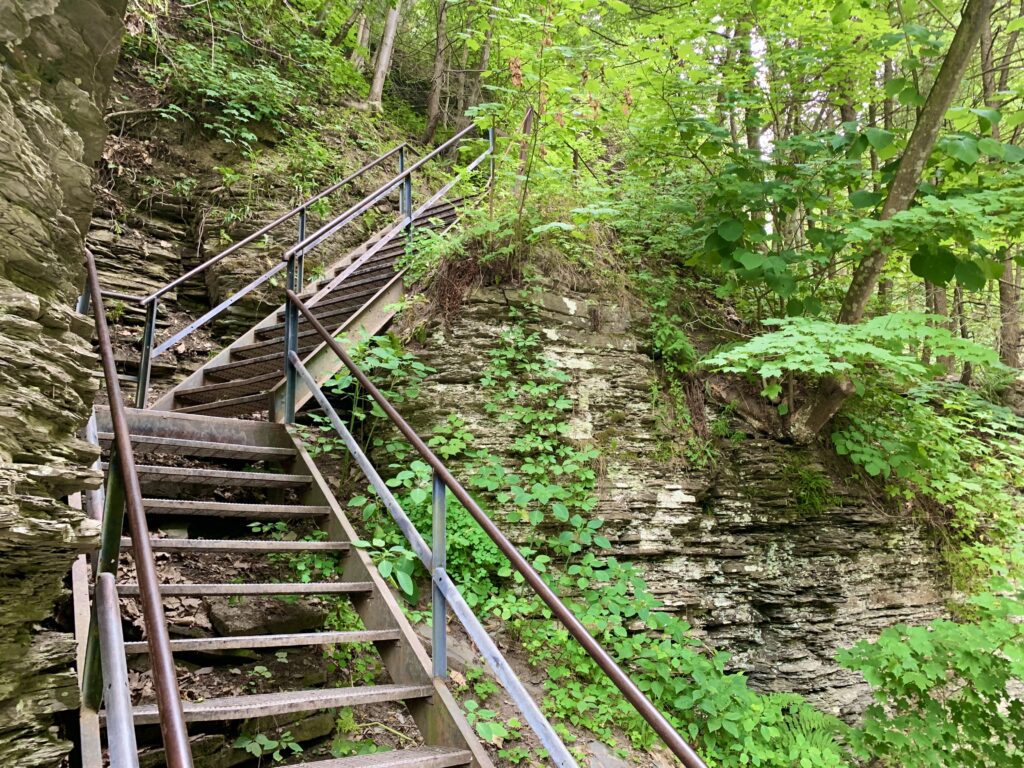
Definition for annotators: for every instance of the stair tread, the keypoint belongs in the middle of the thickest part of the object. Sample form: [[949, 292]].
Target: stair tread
[[250, 642], [201, 448], [232, 508], [206, 393], [266, 704], [208, 476], [234, 405], [257, 588], [240, 545], [253, 365], [418, 757]]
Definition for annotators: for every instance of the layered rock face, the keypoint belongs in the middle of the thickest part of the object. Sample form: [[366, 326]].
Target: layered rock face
[[761, 546], [57, 61]]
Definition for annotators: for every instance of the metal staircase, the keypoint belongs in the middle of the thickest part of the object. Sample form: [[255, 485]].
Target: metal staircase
[[218, 452]]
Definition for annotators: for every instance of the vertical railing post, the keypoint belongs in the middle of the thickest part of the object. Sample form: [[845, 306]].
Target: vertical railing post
[[438, 563], [105, 562], [300, 280], [82, 307], [490, 146], [291, 341], [145, 359], [121, 745], [405, 192]]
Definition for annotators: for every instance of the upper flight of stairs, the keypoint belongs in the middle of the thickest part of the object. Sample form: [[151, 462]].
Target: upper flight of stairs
[[212, 476], [241, 380]]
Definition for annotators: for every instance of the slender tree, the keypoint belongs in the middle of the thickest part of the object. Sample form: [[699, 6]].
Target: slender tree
[[382, 66], [437, 75], [833, 392]]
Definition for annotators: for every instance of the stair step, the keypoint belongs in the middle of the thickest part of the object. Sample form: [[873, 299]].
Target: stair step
[[235, 406], [240, 369], [257, 588], [202, 448], [342, 295], [332, 316], [267, 704], [252, 642], [307, 340], [208, 393], [204, 476], [193, 507], [348, 283], [420, 757], [240, 545]]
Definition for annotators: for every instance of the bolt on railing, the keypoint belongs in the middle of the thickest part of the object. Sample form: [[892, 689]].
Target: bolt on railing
[[434, 559]]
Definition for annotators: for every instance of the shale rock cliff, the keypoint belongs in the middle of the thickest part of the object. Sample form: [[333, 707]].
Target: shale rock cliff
[[766, 549], [56, 63]]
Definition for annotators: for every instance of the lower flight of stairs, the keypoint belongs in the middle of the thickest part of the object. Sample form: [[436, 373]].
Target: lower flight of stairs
[[206, 479]]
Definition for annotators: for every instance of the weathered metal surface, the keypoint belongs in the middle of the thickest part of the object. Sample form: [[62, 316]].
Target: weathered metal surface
[[149, 444], [211, 429], [233, 509], [268, 704], [172, 725], [679, 747], [90, 743], [117, 696], [438, 562], [281, 588], [294, 640], [148, 474], [421, 757], [198, 546], [234, 406]]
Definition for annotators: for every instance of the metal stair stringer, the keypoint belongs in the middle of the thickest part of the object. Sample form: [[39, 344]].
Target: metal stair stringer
[[439, 717]]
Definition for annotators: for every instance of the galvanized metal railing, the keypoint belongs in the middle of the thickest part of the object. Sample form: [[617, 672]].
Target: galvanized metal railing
[[104, 656], [445, 594]]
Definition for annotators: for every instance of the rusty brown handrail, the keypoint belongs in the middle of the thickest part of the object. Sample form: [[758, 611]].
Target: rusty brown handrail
[[626, 686], [165, 680]]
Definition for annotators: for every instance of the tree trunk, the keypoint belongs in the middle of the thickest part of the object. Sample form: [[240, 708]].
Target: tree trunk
[[751, 115], [825, 402], [362, 41], [437, 76], [383, 64], [342, 34], [1009, 289], [919, 148], [474, 88]]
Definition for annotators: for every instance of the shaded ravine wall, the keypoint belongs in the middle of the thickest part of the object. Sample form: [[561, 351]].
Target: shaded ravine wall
[[57, 61], [729, 547]]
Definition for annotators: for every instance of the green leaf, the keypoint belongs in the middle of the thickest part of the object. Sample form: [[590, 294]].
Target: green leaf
[[970, 276], [990, 147], [730, 230], [894, 86], [1013, 153], [964, 149], [405, 582], [936, 266], [878, 137], [862, 198], [987, 117]]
